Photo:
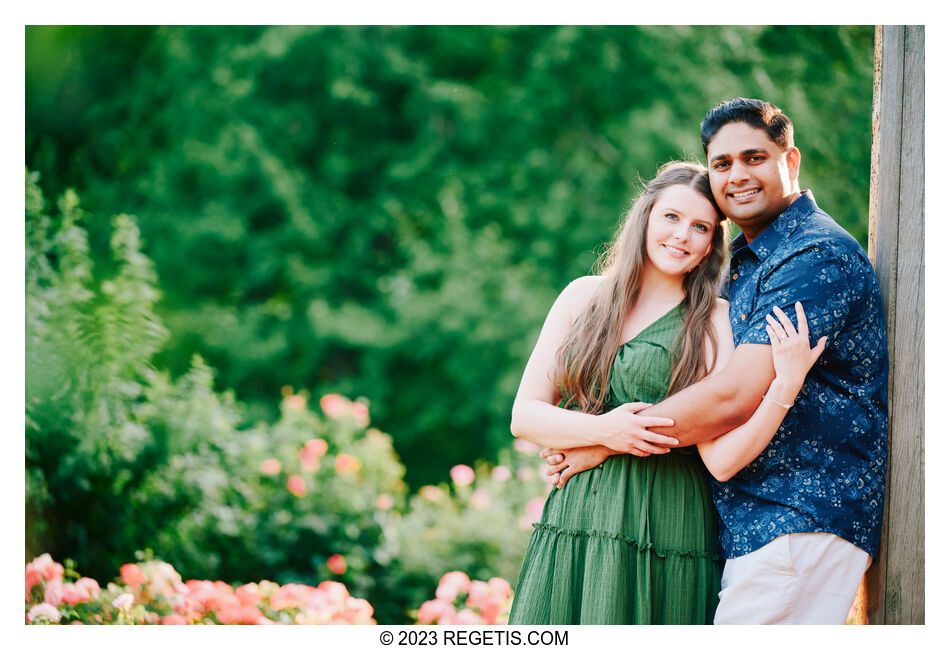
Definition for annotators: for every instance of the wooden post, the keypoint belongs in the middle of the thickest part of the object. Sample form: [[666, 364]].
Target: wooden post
[[895, 582]]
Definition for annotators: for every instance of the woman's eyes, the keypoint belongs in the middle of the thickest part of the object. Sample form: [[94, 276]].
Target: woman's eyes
[[701, 227]]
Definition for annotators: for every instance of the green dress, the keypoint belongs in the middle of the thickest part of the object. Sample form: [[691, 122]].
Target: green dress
[[634, 539]]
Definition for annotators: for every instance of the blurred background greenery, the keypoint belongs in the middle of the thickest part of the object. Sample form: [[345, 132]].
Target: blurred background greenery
[[386, 213]]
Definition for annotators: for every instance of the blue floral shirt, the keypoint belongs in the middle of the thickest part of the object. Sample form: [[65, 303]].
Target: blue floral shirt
[[823, 472]]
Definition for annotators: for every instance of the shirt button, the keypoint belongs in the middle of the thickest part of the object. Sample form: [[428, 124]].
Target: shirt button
[[735, 276], [742, 316]]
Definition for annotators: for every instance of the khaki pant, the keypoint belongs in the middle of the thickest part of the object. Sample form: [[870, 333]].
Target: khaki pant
[[800, 578]]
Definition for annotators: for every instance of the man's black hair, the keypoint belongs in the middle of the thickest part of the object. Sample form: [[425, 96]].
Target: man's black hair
[[755, 113]]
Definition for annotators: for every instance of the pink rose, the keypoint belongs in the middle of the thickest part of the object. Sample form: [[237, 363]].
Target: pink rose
[[316, 447], [132, 575], [54, 592], [123, 601], [236, 614], [249, 594], [358, 611], [73, 595], [174, 619], [337, 564], [501, 473], [451, 584], [468, 617], [270, 466], [479, 594], [45, 566], [500, 587], [433, 610], [296, 403], [346, 463], [361, 412], [334, 405], [43, 610], [462, 475], [89, 585], [384, 502], [296, 485]]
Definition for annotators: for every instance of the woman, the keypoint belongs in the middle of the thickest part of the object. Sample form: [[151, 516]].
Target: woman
[[634, 540]]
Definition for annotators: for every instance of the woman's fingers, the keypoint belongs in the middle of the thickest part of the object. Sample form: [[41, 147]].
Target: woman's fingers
[[787, 327], [555, 459], [635, 407], [643, 445], [773, 337], [802, 321], [659, 438], [818, 349], [777, 329], [647, 421]]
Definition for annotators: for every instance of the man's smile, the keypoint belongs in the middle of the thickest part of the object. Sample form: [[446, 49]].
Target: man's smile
[[744, 194]]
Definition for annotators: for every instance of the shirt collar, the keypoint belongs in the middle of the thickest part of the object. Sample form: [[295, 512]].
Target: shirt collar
[[779, 230]]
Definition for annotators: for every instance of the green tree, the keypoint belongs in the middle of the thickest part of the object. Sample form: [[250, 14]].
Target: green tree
[[388, 212]]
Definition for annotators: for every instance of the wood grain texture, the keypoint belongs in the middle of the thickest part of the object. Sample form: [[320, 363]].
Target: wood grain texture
[[895, 583]]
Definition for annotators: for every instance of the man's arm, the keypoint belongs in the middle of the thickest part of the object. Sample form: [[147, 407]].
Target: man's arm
[[703, 411], [720, 402]]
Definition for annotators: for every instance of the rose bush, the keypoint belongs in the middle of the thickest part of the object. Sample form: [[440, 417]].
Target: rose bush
[[152, 592], [462, 601], [122, 457]]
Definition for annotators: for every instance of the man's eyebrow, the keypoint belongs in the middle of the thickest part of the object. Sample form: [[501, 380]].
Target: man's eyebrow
[[744, 152]]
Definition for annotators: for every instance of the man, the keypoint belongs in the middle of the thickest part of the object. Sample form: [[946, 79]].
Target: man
[[800, 524]]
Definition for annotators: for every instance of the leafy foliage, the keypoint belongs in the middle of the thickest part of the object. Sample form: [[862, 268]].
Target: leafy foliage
[[389, 211], [122, 457]]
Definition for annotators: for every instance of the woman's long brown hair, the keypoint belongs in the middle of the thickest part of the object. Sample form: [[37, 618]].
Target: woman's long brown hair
[[583, 362]]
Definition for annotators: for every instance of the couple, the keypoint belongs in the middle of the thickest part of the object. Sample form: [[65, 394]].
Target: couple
[[681, 417]]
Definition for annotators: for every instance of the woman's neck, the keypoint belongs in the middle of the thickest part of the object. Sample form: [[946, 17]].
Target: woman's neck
[[660, 287]]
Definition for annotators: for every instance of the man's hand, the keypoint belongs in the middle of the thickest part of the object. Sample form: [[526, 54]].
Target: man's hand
[[565, 463]]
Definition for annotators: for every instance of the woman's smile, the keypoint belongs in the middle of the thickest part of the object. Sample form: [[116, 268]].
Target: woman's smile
[[679, 230]]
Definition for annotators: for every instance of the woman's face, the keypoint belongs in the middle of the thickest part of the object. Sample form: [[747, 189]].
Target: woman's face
[[679, 230]]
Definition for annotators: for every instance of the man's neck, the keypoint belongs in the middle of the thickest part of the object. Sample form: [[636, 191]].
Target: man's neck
[[753, 233]]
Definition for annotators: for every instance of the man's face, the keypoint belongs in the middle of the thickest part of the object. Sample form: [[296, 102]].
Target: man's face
[[752, 179]]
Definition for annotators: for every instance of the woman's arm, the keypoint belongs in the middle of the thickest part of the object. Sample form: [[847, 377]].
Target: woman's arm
[[565, 463], [535, 415], [792, 357]]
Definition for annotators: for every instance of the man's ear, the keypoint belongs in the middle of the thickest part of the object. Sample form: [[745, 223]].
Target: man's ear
[[793, 158]]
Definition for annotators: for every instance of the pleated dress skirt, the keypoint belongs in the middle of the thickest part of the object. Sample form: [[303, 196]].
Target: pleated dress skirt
[[632, 541]]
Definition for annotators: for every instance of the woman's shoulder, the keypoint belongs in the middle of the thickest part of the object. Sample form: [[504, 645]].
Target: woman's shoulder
[[586, 284], [582, 289], [721, 308], [577, 295], [720, 315]]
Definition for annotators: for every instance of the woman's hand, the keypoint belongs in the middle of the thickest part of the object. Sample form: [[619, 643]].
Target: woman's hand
[[792, 353], [626, 432], [565, 463]]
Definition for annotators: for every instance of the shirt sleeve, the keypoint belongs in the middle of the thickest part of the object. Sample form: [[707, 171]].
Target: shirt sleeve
[[813, 277]]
